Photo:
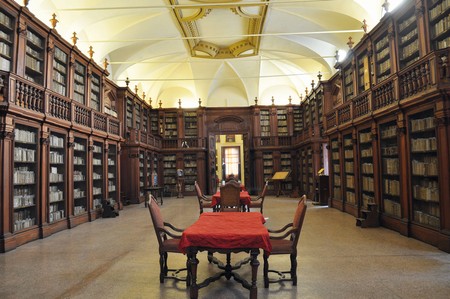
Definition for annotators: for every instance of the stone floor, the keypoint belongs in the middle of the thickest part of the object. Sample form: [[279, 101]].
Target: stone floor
[[118, 258]]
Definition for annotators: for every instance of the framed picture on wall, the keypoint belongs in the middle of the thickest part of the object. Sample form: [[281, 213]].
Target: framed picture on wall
[[230, 138]]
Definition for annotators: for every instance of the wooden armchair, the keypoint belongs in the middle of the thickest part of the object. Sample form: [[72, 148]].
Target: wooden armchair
[[203, 201], [285, 242], [230, 197], [168, 242], [258, 202]]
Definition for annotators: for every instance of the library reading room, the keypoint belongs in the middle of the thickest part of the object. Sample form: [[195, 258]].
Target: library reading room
[[225, 149]]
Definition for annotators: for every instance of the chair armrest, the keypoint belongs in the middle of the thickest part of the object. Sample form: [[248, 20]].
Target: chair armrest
[[281, 229], [173, 227], [206, 198], [169, 233], [285, 235], [256, 199]]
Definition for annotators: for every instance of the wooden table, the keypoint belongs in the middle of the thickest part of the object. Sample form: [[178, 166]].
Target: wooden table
[[225, 232], [155, 191]]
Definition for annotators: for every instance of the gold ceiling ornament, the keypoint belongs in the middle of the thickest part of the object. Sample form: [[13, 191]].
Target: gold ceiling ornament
[[136, 89], [91, 52], [160, 104], [364, 26], [256, 101], [290, 100], [127, 81], [306, 92], [199, 102], [26, 2], [143, 95], [273, 101], [74, 38], [105, 63], [224, 40], [350, 42], [53, 21], [150, 102], [179, 103]]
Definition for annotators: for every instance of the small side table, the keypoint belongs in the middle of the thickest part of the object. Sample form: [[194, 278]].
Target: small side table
[[156, 191]]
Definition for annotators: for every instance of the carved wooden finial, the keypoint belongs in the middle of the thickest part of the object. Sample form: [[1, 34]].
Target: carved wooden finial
[[199, 102], [26, 2], [273, 101], [105, 63], [256, 101], [306, 91], [364, 26], [143, 95], [160, 104], [312, 84], [319, 75], [301, 97], [150, 102], [127, 81], [179, 103], [290, 100], [91, 52], [136, 89], [350, 43], [74, 38], [53, 21]]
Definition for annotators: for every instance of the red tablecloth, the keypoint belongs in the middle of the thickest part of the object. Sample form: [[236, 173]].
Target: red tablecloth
[[243, 196], [227, 230]]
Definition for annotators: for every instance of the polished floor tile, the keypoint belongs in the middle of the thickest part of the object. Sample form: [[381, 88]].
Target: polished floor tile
[[118, 258]]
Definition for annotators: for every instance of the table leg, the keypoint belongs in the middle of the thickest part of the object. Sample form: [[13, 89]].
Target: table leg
[[192, 268], [255, 264]]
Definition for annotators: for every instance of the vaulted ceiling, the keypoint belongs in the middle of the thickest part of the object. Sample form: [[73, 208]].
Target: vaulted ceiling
[[224, 52]]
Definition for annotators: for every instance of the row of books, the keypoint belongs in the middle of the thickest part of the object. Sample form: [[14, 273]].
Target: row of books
[[389, 132], [56, 157], [368, 152], [350, 197], [391, 187], [24, 136], [23, 220], [33, 64], [56, 214], [79, 193], [439, 9], [389, 150], [409, 50], [96, 176], [422, 124], [392, 208], [21, 201], [423, 144], [77, 210], [23, 175], [382, 43], [56, 177], [367, 184], [367, 168], [391, 166], [412, 34], [426, 191], [429, 166], [55, 194], [5, 20], [427, 219], [24, 154], [407, 22], [96, 190]]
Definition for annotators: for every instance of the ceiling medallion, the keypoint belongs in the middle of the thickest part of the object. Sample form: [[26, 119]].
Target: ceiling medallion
[[229, 29]]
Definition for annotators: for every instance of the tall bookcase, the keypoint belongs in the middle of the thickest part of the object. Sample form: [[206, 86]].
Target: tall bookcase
[[363, 72], [336, 168], [25, 177], [438, 14], [268, 168], [79, 83], [190, 172], [97, 176], [390, 169], [408, 39], [59, 82], [112, 174], [141, 173], [298, 119], [6, 41], [57, 178], [304, 171], [154, 126], [424, 169], [170, 174], [310, 169], [264, 121], [349, 168], [34, 59], [95, 92], [282, 122], [382, 57], [137, 116], [170, 125], [348, 82], [286, 165], [129, 113], [80, 200], [366, 167], [190, 124]]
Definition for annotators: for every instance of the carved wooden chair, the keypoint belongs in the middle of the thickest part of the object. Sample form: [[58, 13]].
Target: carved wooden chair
[[168, 242], [285, 242], [203, 201], [230, 197], [258, 202]]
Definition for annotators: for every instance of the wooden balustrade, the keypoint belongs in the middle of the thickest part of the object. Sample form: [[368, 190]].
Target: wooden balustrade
[[415, 78], [331, 119], [361, 105], [344, 113], [99, 121], [82, 115], [59, 107], [383, 95]]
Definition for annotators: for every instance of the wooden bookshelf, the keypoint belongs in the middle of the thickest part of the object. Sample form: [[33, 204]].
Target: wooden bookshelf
[[367, 184], [80, 170], [25, 198], [390, 169], [349, 170], [424, 169], [59, 74], [34, 59], [439, 19], [98, 192], [408, 39], [382, 57], [57, 178], [79, 83], [6, 41], [95, 92]]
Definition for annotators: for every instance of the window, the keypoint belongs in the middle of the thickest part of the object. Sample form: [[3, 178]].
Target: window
[[231, 161]]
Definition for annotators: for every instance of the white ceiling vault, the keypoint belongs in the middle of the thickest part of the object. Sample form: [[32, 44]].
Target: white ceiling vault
[[224, 52]]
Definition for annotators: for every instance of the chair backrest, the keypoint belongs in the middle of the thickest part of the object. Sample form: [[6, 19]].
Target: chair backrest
[[264, 190], [229, 197], [157, 219], [298, 220]]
